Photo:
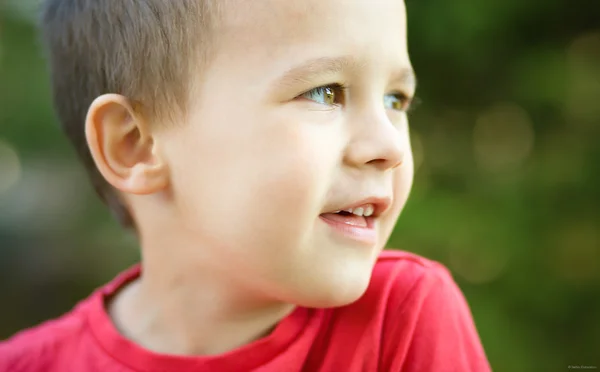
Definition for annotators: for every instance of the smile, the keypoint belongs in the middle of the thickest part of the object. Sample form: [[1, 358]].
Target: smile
[[354, 223]]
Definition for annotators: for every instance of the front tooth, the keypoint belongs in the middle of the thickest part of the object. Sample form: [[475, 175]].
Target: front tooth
[[358, 211], [369, 210], [349, 210]]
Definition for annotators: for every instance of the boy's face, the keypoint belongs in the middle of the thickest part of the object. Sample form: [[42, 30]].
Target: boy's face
[[260, 163]]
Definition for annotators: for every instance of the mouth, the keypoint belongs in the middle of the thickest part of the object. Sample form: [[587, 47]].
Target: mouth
[[358, 220]]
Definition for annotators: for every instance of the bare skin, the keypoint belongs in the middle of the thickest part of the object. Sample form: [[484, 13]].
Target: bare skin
[[228, 201]]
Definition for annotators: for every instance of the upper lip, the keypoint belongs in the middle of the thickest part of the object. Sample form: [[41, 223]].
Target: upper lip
[[380, 204]]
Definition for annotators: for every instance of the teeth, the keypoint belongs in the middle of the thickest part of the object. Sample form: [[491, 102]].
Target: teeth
[[366, 210]]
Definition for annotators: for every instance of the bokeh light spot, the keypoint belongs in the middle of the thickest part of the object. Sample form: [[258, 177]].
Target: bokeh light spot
[[576, 254], [477, 265], [583, 87], [503, 137]]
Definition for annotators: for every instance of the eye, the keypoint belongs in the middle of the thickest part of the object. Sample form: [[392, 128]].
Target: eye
[[397, 101], [332, 94]]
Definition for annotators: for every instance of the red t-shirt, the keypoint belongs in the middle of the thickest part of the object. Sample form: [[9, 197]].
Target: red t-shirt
[[413, 317]]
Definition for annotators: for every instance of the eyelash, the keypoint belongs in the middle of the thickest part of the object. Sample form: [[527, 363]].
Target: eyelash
[[331, 89], [406, 103]]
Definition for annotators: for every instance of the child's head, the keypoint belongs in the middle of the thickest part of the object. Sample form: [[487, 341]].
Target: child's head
[[144, 50], [206, 122]]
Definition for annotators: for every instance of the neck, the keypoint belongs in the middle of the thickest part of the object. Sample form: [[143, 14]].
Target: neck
[[183, 309]]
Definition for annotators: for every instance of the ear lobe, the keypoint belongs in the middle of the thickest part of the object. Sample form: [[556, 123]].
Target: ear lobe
[[122, 146]]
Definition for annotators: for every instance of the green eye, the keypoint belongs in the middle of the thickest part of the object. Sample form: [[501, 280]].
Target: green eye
[[327, 95], [396, 101]]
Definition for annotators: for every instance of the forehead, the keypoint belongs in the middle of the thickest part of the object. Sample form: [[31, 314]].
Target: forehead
[[279, 31]]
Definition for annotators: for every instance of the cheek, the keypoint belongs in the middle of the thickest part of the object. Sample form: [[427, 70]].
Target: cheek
[[257, 185], [290, 180]]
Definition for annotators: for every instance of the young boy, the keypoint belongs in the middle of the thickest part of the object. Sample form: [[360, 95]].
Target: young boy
[[260, 151]]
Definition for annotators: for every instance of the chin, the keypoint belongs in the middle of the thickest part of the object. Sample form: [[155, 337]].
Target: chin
[[335, 292]]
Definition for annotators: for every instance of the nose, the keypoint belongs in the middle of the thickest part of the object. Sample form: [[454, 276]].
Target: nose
[[377, 142]]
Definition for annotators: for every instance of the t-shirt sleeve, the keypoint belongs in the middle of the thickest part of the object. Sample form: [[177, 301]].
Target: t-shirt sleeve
[[44, 347], [431, 328]]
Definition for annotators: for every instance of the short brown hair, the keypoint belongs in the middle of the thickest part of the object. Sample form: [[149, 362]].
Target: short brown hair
[[142, 49]]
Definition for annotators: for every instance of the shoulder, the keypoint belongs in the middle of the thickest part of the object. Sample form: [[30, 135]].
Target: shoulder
[[427, 322], [381, 322], [38, 348], [416, 288], [398, 278], [398, 275], [412, 284]]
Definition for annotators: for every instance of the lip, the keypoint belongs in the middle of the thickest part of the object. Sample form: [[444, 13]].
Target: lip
[[365, 235]]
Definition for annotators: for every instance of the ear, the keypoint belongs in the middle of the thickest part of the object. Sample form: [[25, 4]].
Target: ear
[[121, 143]]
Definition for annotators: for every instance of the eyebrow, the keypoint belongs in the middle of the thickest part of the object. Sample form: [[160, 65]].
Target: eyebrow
[[320, 68], [313, 69]]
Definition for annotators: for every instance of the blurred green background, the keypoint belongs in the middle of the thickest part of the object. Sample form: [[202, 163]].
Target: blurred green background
[[507, 189]]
